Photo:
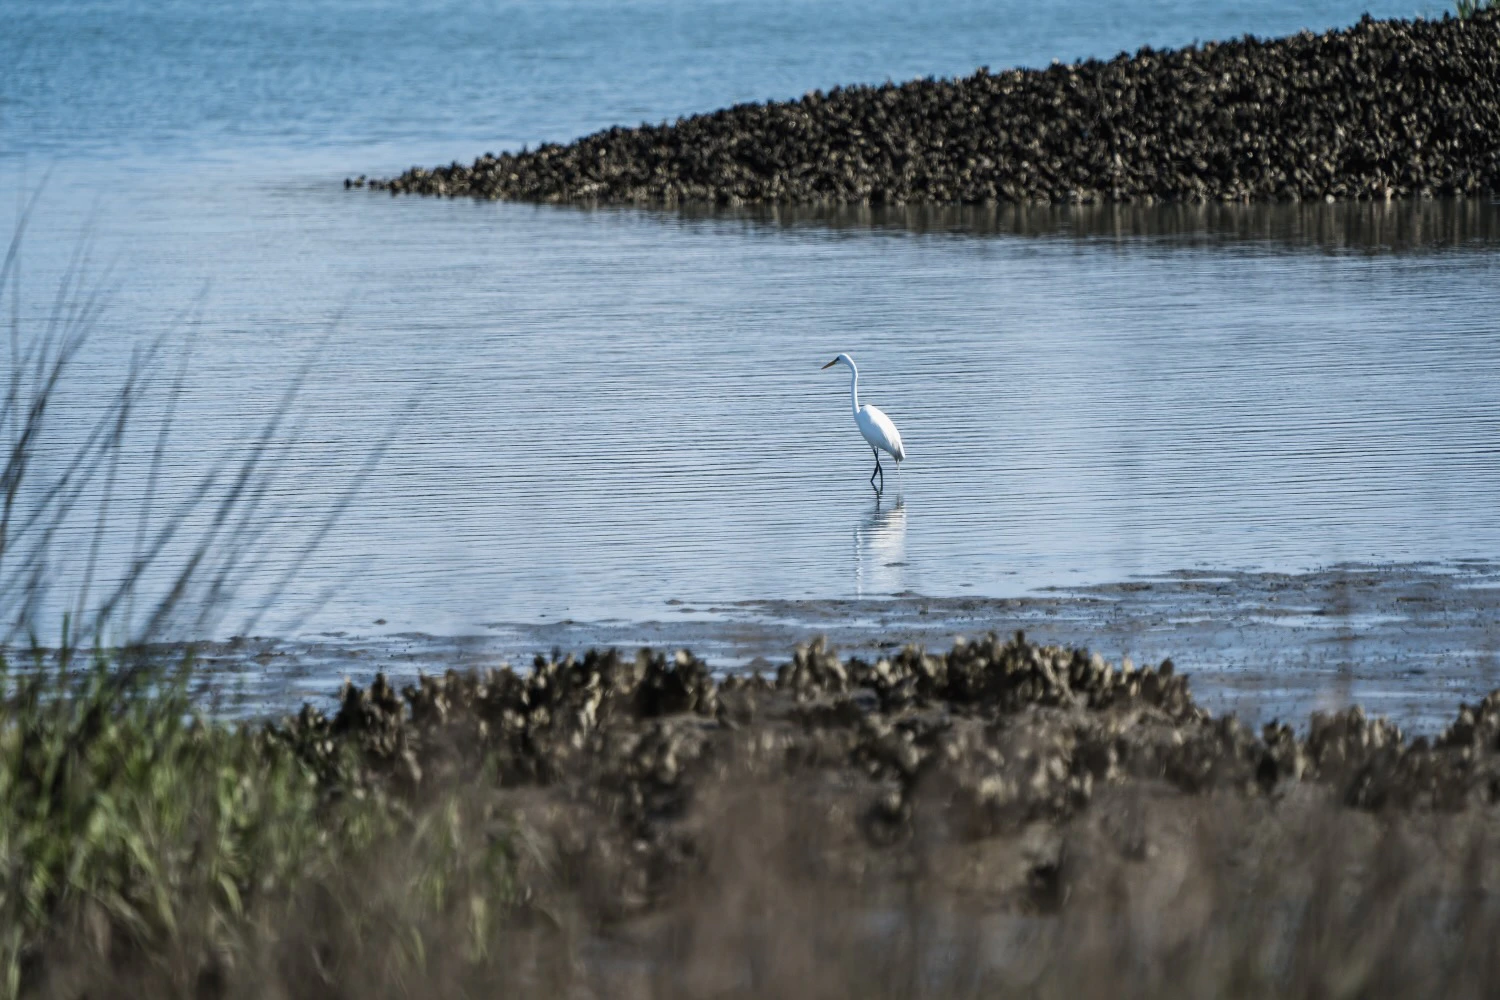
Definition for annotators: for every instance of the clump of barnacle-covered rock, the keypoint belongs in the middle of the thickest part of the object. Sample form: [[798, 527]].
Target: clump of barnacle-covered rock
[[1384, 109], [622, 758]]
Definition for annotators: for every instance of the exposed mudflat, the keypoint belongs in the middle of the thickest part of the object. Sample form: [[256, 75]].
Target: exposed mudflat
[[1380, 110], [1407, 642]]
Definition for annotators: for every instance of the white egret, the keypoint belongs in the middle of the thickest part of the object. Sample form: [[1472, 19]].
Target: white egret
[[873, 424]]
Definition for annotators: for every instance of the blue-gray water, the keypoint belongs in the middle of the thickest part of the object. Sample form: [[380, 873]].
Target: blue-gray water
[[615, 409]]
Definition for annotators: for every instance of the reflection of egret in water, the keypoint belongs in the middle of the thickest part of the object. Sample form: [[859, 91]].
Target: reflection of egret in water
[[880, 550]]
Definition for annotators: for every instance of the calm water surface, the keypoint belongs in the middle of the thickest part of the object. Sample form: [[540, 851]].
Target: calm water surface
[[616, 409]]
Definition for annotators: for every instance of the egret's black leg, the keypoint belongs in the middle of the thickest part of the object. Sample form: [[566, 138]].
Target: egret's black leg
[[880, 471]]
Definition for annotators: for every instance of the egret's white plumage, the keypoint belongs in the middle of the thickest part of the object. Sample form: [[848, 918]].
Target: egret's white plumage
[[872, 422]]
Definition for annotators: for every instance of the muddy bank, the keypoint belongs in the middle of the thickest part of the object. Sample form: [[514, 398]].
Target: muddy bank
[[1384, 109]]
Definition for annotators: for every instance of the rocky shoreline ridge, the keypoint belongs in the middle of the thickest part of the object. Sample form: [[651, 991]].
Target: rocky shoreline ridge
[[1383, 109], [657, 721], [630, 759]]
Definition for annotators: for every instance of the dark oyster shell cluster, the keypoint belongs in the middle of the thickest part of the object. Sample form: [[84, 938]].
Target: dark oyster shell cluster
[[1384, 109], [1031, 728]]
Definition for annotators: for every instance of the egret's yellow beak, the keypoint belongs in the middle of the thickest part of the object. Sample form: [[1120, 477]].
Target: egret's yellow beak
[[832, 363]]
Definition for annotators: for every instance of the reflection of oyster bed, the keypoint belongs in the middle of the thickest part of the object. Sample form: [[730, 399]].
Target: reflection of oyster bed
[[1363, 227]]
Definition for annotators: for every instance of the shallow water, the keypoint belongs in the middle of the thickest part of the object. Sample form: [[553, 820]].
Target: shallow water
[[615, 409]]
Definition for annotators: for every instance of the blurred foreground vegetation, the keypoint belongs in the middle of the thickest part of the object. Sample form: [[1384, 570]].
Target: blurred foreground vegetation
[[1004, 819], [140, 839]]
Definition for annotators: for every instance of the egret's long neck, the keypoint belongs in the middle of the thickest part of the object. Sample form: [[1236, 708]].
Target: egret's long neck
[[853, 388]]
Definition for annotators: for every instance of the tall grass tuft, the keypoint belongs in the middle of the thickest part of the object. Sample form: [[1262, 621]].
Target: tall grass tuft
[[163, 839], [143, 842]]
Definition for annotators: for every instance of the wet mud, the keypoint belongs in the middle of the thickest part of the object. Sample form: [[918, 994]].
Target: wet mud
[[1407, 642]]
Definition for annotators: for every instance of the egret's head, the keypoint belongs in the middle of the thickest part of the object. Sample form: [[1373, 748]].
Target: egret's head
[[841, 358]]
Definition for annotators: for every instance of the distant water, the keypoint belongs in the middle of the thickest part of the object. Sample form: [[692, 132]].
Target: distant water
[[618, 408]]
